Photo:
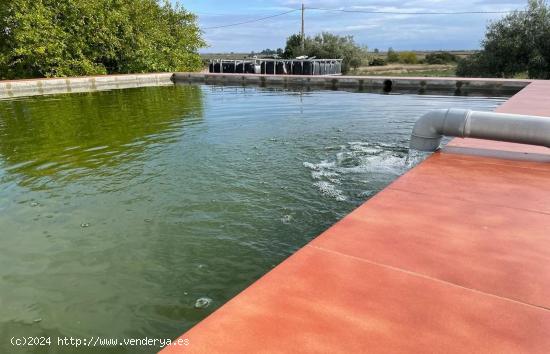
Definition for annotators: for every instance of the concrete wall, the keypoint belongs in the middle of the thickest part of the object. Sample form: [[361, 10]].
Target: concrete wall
[[34, 87], [494, 87], [364, 83]]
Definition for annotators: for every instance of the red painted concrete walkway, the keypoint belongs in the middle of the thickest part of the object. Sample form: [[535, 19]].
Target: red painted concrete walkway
[[453, 257]]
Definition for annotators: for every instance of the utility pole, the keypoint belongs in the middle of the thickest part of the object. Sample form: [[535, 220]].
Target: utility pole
[[303, 29]]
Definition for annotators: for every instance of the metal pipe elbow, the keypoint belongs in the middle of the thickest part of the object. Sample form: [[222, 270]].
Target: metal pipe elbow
[[434, 125]]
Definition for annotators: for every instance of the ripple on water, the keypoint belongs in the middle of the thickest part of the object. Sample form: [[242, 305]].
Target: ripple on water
[[203, 302], [286, 219]]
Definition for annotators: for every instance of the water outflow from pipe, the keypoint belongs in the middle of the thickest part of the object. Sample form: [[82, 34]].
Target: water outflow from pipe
[[433, 126]]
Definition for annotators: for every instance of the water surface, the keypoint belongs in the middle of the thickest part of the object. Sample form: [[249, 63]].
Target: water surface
[[119, 209]]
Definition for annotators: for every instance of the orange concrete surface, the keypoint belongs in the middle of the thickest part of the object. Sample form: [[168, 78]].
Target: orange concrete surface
[[453, 257]]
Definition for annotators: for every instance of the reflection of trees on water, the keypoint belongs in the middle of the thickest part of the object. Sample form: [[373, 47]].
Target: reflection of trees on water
[[43, 136]]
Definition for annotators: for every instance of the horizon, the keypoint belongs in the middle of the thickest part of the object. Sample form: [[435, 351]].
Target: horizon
[[376, 31]]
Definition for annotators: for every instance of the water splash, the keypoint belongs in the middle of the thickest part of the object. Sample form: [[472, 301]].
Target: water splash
[[414, 157], [359, 169], [330, 190]]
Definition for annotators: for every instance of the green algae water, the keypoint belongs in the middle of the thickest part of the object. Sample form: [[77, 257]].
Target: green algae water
[[135, 213]]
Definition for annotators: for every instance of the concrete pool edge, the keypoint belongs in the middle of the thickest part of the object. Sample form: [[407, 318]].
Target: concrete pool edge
[[48, 86], [453, 256], [377, 83]]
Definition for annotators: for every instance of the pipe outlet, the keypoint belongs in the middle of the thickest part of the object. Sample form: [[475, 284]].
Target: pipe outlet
[[434, 125]]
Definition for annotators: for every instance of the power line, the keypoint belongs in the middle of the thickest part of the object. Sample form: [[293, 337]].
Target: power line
[[412, 13], [252, 21], [362, 12]]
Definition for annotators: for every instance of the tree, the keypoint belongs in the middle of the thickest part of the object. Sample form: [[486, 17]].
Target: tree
[[327, 46], [278, 51], [47, 38], [518, 43]]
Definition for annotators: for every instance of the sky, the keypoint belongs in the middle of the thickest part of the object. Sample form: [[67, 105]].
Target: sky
[[401, 32]]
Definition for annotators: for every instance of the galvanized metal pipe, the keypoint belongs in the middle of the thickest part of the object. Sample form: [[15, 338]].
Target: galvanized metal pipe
[[433, 126]]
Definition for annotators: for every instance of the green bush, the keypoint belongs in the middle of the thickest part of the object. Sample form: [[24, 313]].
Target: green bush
[[377, 62], [327, 46], [440, 58], [519, 43], [392, 56], [46, 38], [408, 58]]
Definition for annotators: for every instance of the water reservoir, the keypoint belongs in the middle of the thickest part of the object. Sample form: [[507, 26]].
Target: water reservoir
[[137, 212]]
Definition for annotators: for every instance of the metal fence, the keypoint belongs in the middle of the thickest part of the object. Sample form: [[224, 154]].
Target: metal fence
[[277, 66]]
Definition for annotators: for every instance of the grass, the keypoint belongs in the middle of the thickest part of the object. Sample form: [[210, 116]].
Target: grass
[[422, 70]]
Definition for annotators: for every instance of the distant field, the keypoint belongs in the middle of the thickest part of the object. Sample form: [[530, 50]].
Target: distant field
[[407, 70], [421, 54]]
